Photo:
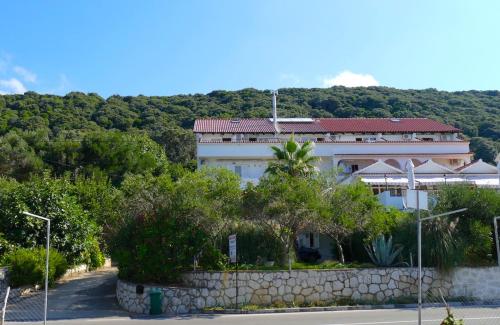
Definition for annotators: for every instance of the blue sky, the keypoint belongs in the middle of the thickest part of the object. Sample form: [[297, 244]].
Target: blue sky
[[172, 47]]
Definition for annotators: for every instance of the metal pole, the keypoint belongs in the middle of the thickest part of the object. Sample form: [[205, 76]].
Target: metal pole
[[47, 253], [237, 293], [495, 222], [5, 306], [419, 243]]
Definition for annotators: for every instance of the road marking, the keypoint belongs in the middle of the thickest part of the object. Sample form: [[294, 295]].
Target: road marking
[[410, 321], [308, 312], [107, 319]]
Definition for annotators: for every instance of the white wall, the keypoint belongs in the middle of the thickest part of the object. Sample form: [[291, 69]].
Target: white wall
[[263, 150]]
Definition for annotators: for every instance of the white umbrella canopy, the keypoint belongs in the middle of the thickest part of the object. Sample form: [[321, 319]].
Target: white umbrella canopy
[[410, 168]]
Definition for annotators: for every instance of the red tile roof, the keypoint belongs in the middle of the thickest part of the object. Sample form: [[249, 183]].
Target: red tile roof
[[385, 125], [323, 125], [259, 125]]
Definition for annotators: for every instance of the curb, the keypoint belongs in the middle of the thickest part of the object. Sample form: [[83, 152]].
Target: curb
[[307, 309], [346, 308]]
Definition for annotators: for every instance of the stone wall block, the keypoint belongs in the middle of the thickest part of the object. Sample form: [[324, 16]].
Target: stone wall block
[[210, 289]]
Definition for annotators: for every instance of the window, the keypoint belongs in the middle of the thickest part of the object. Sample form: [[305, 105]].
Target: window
[[354, 168], [226, 139], [427, 139], [320, 139], [237, 170], [252, 139], [396, 192], [311, 240], [359, 139]]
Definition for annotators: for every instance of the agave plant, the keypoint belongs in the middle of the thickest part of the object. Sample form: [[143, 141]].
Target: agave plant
[[382, 252]]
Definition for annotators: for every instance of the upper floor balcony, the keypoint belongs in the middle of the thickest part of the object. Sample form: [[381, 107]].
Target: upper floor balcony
[[261, 148]]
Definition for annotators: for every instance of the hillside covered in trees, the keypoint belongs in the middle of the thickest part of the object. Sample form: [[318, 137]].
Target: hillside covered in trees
[[85, 132]]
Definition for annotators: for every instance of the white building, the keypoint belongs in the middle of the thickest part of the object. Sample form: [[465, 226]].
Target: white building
[[373, 149]]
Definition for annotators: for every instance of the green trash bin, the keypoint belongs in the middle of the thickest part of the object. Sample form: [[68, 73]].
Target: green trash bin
[[155, 298]]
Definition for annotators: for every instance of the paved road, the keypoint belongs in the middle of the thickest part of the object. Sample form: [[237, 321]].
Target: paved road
[[475, 316], [89, 295]]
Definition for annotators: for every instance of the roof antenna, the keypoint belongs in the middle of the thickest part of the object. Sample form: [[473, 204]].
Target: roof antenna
[[275, 111]]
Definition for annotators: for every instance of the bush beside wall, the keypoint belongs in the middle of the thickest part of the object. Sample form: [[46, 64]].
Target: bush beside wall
[[27, 266]]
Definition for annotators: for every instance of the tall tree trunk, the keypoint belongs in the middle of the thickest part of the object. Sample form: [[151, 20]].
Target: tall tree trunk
[[340, 250], [285, 257]]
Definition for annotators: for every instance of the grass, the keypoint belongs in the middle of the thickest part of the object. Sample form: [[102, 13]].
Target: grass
[[325, 265], [319, 303]]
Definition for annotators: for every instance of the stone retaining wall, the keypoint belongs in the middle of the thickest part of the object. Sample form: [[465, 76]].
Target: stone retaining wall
[[212, 289]]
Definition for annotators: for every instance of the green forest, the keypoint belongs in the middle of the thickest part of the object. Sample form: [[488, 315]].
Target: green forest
[[76, 132]]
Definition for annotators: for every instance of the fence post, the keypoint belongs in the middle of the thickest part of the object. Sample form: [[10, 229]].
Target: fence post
[[2, 321]]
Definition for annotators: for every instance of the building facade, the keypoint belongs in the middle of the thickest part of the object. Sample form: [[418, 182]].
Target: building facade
[[374, 150]]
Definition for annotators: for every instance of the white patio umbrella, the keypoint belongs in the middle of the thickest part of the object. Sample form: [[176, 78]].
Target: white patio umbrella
[[410, 168]]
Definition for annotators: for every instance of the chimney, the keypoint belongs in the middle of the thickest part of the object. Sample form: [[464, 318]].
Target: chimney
[[275, 112]]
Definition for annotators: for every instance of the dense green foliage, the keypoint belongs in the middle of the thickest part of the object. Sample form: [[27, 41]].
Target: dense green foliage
[[256, 244], [354, 209], [27, 266], [170, 223], [284, 204], [73, 232], [168, 119], [465, 238]]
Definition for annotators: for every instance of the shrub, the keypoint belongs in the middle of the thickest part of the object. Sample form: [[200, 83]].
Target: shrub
[[157, 248], [95, 258], [256, 244], [27, 266], [71, 227], [474, 227], [463, 239], [5, 246], [178, 221], [382, 252]]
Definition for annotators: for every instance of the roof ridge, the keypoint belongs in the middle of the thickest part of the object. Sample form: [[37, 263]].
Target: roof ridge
[[318, 118]]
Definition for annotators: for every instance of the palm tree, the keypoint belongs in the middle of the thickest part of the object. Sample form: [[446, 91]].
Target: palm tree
[[293, 158]]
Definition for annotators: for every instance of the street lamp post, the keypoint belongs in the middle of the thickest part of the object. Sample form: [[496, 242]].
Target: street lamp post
[[420, 253], [495, 222], [46, 262], [410, 168]]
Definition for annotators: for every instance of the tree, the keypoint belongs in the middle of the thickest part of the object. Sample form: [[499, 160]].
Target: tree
[[354, 208], [473, 228], [286, 205], [179, 144], [101, 201], [463, 239], [17, 158], [117, 153], [168, 224], [293, 158], [485, 149], [73, 233]]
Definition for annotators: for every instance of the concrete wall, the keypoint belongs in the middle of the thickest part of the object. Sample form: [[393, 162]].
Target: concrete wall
[[211, 289]]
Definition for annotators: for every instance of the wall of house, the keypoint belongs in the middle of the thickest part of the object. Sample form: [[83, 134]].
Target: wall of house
[[257, 150], [212, 289], [336, 137]]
